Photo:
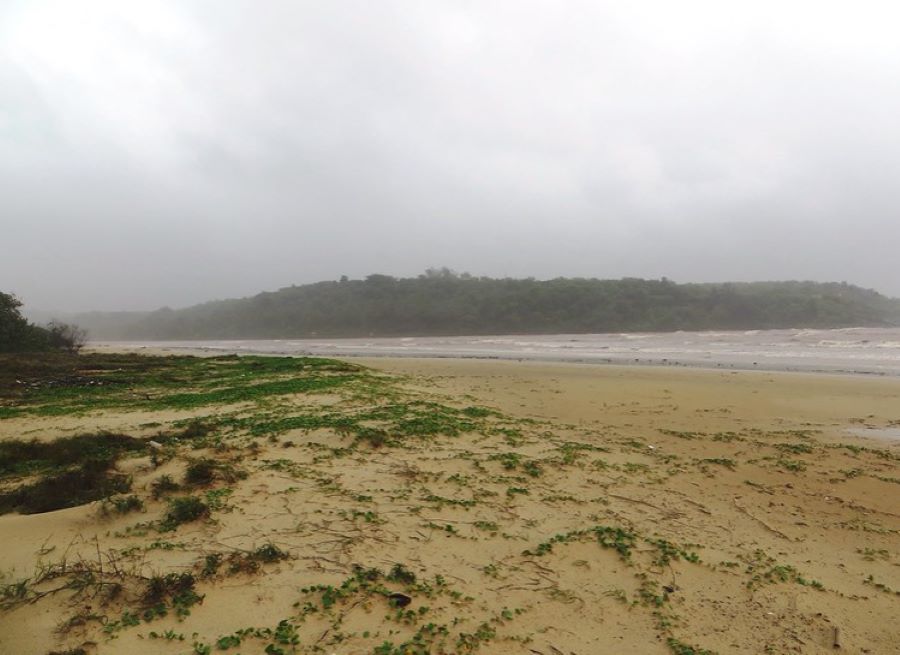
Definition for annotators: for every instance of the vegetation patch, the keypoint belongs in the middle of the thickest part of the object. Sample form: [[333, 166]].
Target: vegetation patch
[[236, 562], [763, 569], [618, 539], [162, 486], [18, 457], [184, 509], [71, 385], [91, 481], [122, 505], [70, 471], [204, 471]]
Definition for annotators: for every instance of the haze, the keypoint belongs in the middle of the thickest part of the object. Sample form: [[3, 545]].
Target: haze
[[168, 153]]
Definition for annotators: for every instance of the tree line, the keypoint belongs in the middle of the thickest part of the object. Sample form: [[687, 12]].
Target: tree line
[[442, 303]]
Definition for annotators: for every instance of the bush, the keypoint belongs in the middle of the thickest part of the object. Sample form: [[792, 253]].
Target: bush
[[122, 504], [269, 553], [92, 481], [163, 485], [204, 471], [73, 470], [19, 457], [184, 510], [63, 336], [195, 429], [172, 585], [399, 573], [200, 472]]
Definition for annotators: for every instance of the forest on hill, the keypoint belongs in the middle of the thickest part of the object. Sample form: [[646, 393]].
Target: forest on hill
[[442, 303]]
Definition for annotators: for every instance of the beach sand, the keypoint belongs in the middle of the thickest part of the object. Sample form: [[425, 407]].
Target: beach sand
[[736, 512]]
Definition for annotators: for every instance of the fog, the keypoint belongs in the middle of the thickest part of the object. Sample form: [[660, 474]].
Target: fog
[[168, 153]]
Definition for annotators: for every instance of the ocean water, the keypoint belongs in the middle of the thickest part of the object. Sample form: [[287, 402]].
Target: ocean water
[[872, 351]]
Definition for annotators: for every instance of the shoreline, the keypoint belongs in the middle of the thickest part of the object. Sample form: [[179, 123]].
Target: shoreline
[[164, 348]]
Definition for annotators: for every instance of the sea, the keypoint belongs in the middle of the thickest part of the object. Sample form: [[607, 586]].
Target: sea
[[861, 351]]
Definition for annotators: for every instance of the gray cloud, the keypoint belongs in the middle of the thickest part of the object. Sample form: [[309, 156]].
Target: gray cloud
[[174, 152]]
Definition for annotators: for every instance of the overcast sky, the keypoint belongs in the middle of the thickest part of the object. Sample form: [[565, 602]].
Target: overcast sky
[[168, 153]]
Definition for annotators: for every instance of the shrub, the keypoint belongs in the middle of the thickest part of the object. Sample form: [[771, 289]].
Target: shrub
[[76, 470], [162, 485], [63, 336], [269, 552], [200, 472], [184, 510], [21, 457], [161, 587], [195, 429], [122, 504], [204, 471], [399, 573], [91, 482]]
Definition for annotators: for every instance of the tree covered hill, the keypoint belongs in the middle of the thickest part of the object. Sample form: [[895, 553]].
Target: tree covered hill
[[443, 303]]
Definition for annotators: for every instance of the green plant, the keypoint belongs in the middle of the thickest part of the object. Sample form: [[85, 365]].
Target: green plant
[[720, 461], [184, 510], [211, 564], [92, 481], [123, 504], [163, 485], [679, 648], [795, 466], [200, 472], [399, 573], [285, 635], [175, 586], [245, 562], [72, 470], [215, 498], [618, 539], [228, 641]]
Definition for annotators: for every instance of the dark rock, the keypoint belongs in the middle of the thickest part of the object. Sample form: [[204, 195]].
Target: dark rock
[[399, 600]]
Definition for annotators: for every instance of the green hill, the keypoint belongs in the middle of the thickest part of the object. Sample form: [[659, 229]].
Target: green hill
[[442, 303]]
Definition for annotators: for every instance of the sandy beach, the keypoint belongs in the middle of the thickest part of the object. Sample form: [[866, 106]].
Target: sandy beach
[[567, 508]]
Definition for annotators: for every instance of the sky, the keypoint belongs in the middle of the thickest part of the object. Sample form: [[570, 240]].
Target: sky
[[169, 153]]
